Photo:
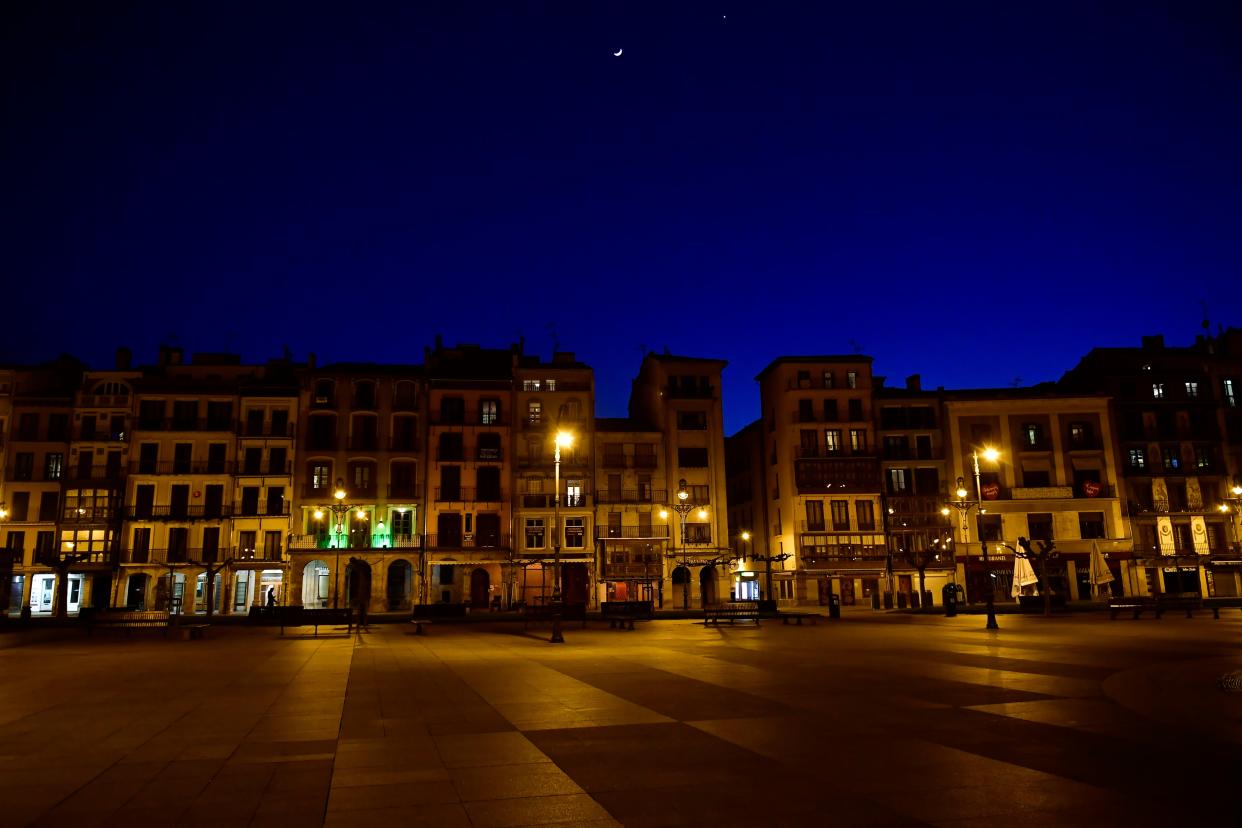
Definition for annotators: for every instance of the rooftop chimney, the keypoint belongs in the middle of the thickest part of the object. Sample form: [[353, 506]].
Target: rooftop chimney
[[914, 382]]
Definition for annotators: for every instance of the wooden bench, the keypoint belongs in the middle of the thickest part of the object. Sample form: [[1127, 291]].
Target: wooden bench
[[124, 619], [731, 612], [797, 617], [418, 625], [303, 617], [1182, 601], [1218, 604], [621, 615], [1138, 606]]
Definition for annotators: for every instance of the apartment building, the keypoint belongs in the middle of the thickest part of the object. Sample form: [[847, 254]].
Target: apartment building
[[910, 435], [1055, 479], [359, 506], [822, 481], [37, 448], [678, 398], [469, 472], [632, 489], [1179, 425], [550, 399]]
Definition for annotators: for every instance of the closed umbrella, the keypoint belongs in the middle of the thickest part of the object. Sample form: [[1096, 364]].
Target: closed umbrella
[[1100, 573], [1023, 575]]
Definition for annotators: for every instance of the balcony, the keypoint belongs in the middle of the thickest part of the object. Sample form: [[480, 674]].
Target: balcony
[[838, 475], [185, 424], [614, 461], [94, 474], [91, 514], [376, 540], [262, 470], [367, 442], [404, 491], [534, 425], [103, 401], [489, 455], [451, 455], [175, 467], [466, 494], [403, 443], [630, 496], [653, 532], [472, 419], [264, 430], [178, 512], [538, 462], [645, 461], [263, 510], [826, 526], [177, 555], [468, 541], [104, 436]]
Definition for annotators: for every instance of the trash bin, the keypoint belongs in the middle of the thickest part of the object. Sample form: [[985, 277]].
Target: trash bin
[[834, 606], [949, 596], [875, 600]]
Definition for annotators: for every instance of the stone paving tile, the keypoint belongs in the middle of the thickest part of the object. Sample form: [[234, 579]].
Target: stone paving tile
[[541, 810], [1049, 723]]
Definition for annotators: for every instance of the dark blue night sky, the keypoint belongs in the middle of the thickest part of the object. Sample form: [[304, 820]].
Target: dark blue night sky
[[975, 192]]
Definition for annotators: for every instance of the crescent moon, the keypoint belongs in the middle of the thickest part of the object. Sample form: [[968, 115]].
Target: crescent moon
[[618, 53]]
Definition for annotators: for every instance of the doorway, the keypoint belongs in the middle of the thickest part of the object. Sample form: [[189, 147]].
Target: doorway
[[316, 585], [707, 586], [136, 592], [399, 573], [479, 582]]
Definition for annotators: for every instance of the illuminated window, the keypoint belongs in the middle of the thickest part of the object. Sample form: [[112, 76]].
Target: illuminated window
[[534, 411], [858, 440], [530, 385], [1203, 457], [897, 480], [550, 384], [1171, 457], [851, 379], [1157, 390], [1138, 460], [320, 474], [832, 440], [864, 510], [1033, 433], [1230, 399], [828, 381], [54, 467], [1192, 389], [489, 412]]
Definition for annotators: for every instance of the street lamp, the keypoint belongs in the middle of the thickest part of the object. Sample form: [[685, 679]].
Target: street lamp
[[964, 505], [683, 507], [339, 509], [563, 439], [1231, 505], [768, 560]]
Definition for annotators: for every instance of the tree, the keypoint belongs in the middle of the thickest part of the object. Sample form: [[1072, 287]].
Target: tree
[[1046, 552], [61, 564], [211, 571], [921, 559]]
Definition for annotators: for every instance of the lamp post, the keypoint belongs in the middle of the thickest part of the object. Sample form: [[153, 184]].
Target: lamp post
[[683, 507], [1229, 507], [339, 509], [768, 560], [563, 440], [9, 564], [964, 505]]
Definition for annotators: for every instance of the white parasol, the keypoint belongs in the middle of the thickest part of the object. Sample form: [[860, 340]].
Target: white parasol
[[1023, 575], [1100, 574]]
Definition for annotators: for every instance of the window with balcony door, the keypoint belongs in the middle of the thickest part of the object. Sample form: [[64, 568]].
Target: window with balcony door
[[489, 412], [1039, 525], [1192, 389], [1091, 525], [575, 532], [534, 533], [828, 380], [858, 440], [1157, 390], [840, 515], [864, 511], [815, 516], [898, 481], [534, 412], [851, 379]]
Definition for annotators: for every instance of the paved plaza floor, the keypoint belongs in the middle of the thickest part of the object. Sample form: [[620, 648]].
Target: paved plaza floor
[[877, 719]]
